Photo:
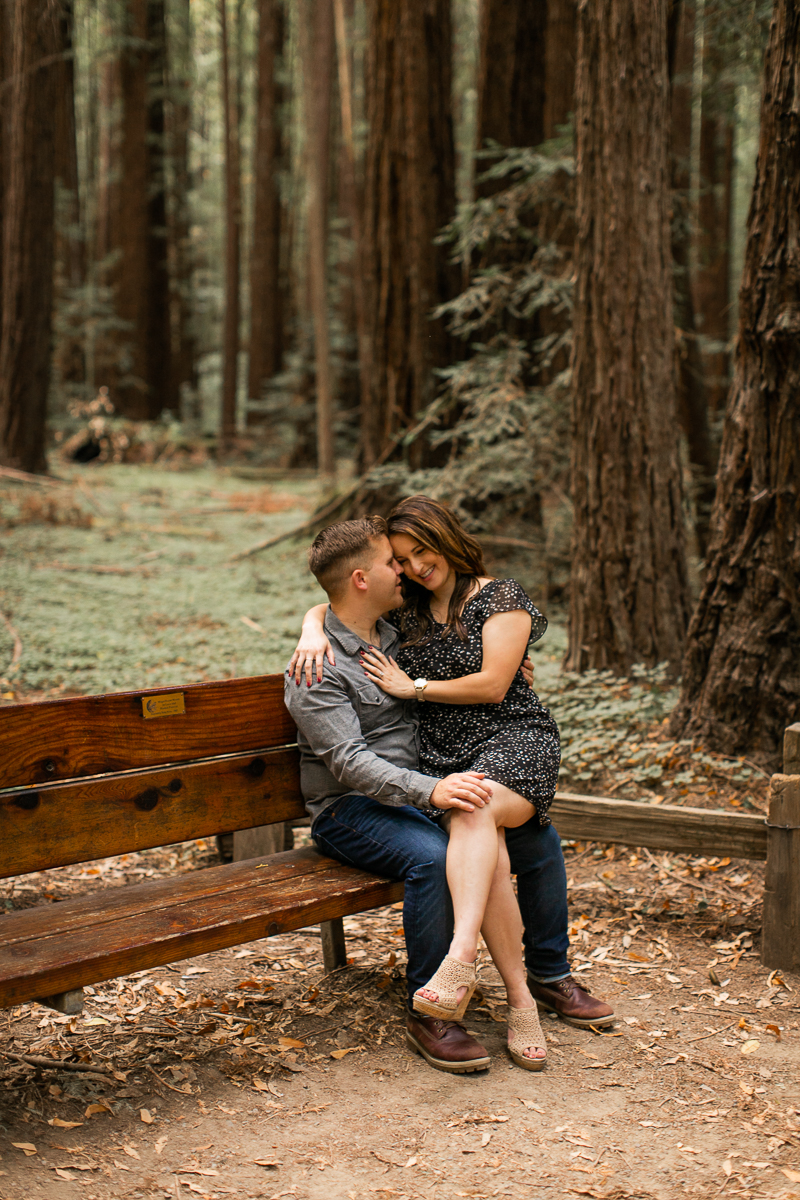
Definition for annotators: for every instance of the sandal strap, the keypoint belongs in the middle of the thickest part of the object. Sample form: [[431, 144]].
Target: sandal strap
[[451, 975], [525, 1030]]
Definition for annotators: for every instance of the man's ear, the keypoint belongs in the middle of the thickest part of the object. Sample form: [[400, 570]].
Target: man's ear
[[359, 580]]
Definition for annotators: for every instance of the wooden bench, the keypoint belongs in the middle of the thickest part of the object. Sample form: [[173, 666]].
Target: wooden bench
[[95, 776]]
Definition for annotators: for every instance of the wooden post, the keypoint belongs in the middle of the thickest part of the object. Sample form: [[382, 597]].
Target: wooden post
[[69, 1003], [334, 952], [261, 841], [780, 941]]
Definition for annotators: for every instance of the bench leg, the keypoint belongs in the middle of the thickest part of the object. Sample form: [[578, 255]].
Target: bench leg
[[780, 939], [69, 1003], [334, 952]]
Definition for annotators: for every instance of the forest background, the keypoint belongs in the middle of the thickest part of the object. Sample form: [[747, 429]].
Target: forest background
[[538, 259]]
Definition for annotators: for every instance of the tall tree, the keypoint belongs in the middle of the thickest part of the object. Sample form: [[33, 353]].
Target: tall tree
[[741, 672], [268, 296], [183, 377], [33, 45], [68, 359], [511, 72], [690, 383], [318, 48], [231, 107], [629, 598], [409, 194], [132, 222]]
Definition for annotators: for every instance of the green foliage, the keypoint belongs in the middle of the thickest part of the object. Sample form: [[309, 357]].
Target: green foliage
[[503, 413]]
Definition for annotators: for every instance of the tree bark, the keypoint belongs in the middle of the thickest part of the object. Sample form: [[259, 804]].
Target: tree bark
[[268, 298], [233, 221], [32, 55], [741, 672], [409, 195], [318, 47], [712, 279], [629, 597], [132, 227], [511, 72], [690, 381], [68, 357], [183, 378]]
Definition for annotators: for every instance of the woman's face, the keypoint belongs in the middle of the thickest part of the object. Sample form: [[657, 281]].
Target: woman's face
[[422, 566]]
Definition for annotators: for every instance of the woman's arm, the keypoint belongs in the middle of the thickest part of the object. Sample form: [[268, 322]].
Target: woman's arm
[[312, 647], [505, 638]]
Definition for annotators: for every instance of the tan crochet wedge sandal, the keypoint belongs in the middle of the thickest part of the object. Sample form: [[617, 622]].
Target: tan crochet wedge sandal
[[525, 1033], [451, 975]]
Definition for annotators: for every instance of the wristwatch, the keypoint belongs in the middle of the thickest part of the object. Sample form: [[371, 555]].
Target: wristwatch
[[419, 687]]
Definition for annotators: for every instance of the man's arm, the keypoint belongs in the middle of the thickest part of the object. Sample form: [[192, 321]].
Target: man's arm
[[330, 725]]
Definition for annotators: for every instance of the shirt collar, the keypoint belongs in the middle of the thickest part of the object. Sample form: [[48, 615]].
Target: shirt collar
[[350, 642]]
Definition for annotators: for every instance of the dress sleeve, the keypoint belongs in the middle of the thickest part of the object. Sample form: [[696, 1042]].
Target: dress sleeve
[[506, 595]]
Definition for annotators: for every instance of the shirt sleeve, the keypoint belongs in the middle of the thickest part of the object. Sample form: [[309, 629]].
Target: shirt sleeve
[[330, 726], [506, 595]]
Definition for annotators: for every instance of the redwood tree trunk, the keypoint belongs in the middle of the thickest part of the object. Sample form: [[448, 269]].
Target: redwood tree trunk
[[233, 221], [629, 597], [31, 41], [511, 72], [183, 364], [318, 44], [132, 221], [268, 299], [690, 383], [741, 672], [409, 196]]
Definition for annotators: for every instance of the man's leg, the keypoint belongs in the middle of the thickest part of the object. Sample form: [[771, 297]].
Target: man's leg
[[538, 862], [402, 843]]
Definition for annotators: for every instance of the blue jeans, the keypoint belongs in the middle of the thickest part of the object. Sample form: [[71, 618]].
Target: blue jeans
[[402, 843]]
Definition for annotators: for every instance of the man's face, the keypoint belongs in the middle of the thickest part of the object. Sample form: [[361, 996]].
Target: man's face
[[383, 577]]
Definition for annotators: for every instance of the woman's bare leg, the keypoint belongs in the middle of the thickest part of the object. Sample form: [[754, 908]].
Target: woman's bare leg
[[502, 932], [472, 855]]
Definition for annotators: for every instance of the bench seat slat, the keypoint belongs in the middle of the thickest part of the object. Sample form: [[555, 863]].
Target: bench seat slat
[[89, 735], [97, 818], [240, 902]]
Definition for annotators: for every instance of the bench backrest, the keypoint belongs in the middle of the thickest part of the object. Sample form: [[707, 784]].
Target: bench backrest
[[93, 776]]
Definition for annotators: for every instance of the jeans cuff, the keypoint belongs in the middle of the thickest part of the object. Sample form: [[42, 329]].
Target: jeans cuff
[[549, 978]]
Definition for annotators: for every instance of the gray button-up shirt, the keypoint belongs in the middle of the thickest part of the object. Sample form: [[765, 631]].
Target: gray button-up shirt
[[352, 736]]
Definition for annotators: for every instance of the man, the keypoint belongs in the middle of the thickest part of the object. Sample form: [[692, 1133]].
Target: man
[[368, 802]]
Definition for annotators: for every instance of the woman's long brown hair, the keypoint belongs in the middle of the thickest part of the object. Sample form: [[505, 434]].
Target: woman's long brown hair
[[435, 527]]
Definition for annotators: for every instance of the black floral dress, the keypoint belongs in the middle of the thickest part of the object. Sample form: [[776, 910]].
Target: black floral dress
[[515, 742]]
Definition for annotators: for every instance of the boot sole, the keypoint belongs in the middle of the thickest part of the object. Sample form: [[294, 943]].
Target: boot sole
[[442, 1064], [578, 1022], [527, 1064]]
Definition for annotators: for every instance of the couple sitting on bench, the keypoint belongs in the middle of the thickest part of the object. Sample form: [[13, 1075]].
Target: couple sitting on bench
[[426, 757]]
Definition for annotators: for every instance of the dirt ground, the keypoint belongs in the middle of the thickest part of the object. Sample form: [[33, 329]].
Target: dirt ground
[[248, 1073]]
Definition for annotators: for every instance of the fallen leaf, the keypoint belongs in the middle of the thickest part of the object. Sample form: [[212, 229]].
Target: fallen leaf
[[530, 1104], [251, 624], [195, 1171], [750, 1046], [62, 1174], [146, 1116], [121, 1166], [98, 1106], [193, 1187], [160, 1144], [776, 1030], [792, 1176], [259, 1085], [341, 1053], [486, 1138], [266, 1162], [27, 1148], [287, 1043], [727, 1166], [59, 1124], [129, 1150], [412, 1162]]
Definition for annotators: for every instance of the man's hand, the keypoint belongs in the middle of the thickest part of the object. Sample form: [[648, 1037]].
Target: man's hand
[[527, 670], [465, 789]]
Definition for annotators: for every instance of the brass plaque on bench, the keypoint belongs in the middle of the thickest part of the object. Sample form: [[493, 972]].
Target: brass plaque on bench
[[163, 706]]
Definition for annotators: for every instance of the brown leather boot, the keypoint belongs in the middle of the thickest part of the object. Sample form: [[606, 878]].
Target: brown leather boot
[[573, 1003], [446, 1045]]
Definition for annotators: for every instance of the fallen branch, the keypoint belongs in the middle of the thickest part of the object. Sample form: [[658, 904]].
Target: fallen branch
[[26, 477], [56, 1064], [17, 652]]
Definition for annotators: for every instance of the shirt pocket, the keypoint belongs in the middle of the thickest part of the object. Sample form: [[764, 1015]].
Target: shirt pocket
[[371, 702]]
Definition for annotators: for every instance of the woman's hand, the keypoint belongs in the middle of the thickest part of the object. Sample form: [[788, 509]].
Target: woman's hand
[[386, 673], [527, 671], [312, 648]]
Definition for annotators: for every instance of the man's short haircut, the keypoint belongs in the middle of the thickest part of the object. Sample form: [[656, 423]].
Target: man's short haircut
[[342, 548]]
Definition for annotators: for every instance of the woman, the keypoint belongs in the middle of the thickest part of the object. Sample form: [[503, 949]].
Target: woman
[[464, 639]]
